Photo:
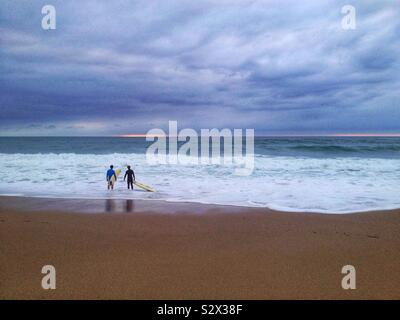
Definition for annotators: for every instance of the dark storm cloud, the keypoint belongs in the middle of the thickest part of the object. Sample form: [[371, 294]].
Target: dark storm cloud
[[127, 66]]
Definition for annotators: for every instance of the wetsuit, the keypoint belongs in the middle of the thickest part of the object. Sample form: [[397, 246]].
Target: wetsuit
[[131, 177]]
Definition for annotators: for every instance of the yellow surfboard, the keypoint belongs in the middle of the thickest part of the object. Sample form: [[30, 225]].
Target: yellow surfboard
[[143, 186], [117, 172]]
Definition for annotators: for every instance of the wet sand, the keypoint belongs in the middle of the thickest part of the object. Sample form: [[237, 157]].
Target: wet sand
[[158, 250]]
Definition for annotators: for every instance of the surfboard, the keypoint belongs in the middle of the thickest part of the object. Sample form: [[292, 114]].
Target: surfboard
[[117, 172], [143, 186]]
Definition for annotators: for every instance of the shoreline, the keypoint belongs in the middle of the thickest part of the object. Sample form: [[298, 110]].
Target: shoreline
[[92, 205], [199, 252]]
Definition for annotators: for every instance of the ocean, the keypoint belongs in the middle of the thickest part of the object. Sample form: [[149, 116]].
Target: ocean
[[312, 174]]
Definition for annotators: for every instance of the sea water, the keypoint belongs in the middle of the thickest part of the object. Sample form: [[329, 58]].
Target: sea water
[[315, 174]]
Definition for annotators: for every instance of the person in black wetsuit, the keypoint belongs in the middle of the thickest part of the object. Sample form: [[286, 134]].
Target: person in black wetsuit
[[131, 177]]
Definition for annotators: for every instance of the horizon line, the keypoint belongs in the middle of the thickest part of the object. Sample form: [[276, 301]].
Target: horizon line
[[140, 135], [280, 135]]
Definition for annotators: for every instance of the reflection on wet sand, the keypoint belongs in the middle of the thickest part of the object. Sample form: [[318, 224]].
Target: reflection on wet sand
[[111, 206], [129, 206]]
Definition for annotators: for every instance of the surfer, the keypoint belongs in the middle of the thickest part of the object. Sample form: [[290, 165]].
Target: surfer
[[111, 177], [131, 177]]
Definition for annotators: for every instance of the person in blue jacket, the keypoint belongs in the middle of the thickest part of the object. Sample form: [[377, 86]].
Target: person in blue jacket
[[109, 175]]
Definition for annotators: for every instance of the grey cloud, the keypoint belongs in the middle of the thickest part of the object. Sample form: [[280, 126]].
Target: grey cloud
[[274, 66]]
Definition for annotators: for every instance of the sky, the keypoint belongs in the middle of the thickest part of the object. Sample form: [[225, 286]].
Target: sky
[[125, 67]]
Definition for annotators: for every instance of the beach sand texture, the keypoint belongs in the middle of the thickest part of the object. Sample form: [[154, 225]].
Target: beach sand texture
[[198, 252]]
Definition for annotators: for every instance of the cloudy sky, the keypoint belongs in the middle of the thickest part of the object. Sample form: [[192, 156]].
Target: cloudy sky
[[119, 67]]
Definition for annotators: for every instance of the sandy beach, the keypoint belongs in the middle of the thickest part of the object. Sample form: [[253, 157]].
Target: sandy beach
[[160, 250]]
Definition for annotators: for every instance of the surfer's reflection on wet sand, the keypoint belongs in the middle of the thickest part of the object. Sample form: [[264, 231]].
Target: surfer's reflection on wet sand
[[129, 206], [110, 205]]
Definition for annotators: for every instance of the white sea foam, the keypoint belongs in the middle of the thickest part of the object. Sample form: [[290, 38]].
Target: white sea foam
[[334, 185]]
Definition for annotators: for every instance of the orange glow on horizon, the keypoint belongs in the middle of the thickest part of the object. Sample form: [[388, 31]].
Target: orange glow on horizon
[[366, 135], [137, 135], [133, 135], [144, 135]]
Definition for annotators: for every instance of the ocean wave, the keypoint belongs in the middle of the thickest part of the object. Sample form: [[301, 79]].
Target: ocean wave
[[341, 185]]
